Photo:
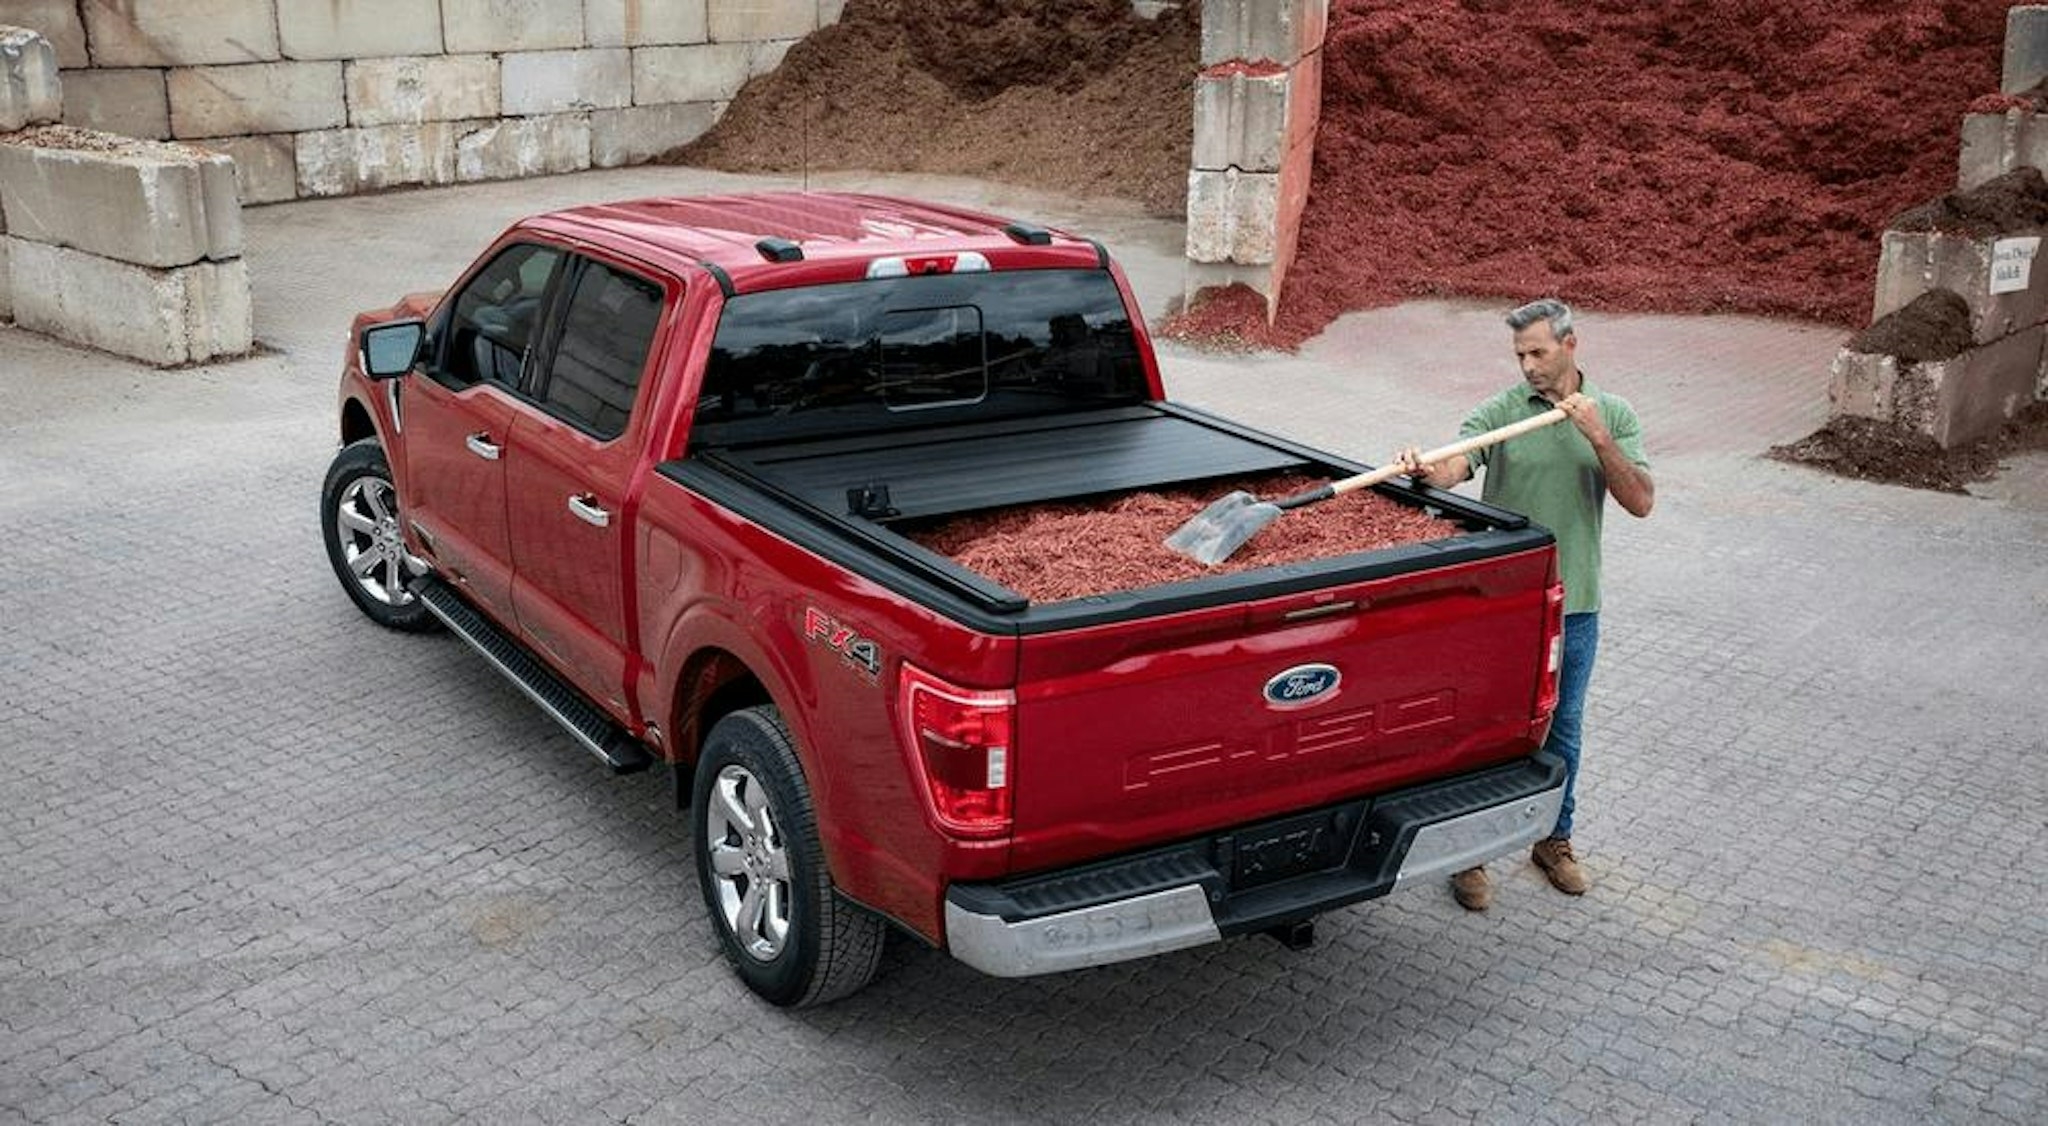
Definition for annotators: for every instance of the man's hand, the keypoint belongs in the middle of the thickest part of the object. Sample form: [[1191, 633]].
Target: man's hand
[[1585, 414], [1441, 475]]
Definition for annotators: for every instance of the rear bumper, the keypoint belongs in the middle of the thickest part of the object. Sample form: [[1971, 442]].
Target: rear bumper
[[1251, 878]]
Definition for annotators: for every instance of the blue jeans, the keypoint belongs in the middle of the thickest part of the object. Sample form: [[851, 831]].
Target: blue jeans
[[1581, 641]]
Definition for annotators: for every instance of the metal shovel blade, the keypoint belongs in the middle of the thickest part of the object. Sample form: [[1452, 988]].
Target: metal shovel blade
[[1216, 532]]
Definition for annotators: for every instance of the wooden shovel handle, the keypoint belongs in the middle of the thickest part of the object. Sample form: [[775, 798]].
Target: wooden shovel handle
[[1461, 446]]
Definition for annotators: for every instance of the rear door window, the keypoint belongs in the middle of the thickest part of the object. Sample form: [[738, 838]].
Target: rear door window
[[601, 351]]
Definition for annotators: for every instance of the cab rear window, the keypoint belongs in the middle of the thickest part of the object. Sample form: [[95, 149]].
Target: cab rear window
[[900, 352]]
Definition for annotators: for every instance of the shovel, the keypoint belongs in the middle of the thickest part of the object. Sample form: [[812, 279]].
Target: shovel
[[1219, 530]]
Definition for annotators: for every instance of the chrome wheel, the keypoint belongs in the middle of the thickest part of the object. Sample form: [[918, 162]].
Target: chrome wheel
[[749, 863], [372, 547]]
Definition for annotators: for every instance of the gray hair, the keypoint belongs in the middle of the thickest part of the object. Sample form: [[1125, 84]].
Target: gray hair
[[1549, 309]]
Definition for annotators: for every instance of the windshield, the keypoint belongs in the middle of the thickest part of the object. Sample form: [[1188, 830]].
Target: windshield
[[898, 352]]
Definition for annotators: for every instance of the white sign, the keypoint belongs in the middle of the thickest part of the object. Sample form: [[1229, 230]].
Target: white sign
[[2012, 263]]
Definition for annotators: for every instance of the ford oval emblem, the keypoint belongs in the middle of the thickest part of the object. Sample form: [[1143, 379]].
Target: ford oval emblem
[[1302, 685]]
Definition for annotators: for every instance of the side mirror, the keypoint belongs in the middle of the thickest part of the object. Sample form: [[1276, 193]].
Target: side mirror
[[390, 349]]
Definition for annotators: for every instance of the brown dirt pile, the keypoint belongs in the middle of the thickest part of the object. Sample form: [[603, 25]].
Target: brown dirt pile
[[1873, 451], [1933, 326], [1735, 156], [2015, 203], [1081, 96], [1052, 552]]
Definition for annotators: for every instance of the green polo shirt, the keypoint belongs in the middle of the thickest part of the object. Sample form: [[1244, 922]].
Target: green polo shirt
[[1553, 477]]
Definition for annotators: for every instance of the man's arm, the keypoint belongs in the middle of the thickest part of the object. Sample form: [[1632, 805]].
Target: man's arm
[[1627, 482]]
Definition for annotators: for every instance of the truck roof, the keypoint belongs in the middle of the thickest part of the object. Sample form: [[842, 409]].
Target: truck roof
[[766, 240]]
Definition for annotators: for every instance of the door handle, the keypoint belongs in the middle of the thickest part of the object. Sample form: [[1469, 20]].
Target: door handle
[[481, 445], [586, 509]]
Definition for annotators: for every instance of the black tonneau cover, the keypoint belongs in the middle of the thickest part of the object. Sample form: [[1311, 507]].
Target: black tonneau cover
[[952, 470], [800, 491]]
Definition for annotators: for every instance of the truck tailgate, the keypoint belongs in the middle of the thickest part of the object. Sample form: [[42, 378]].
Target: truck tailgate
[[1137, 733]]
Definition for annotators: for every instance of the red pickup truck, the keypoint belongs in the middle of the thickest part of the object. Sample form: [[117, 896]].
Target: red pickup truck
[[660, 462]]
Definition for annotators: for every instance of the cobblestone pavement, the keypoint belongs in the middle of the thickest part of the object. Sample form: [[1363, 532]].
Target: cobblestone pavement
[[267, 863]]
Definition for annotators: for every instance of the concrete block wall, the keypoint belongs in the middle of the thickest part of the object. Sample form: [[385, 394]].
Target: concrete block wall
[[1257, 101], [330, 97]]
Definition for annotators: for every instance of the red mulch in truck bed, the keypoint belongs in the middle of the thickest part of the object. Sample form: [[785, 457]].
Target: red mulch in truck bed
[[1052, 552]]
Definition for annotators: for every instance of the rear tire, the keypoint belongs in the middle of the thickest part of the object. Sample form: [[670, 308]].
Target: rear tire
[[787, 932], [360, 520]]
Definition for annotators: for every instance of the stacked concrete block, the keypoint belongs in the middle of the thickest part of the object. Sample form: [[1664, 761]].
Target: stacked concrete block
[[357, 29], [1998, 142], [510, 25], [523, 146], [230, 101], [638, 134], [750, 20], [266, 167], [1257, 102], [1954, 400], [170, 33], [542, 82], [162, 317], [130, 246], [30, 93], [644, 23], [346, 161], [125, 101], [704, 72], [414, 90]]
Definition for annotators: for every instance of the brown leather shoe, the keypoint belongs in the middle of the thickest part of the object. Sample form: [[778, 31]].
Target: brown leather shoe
[[1472, 890], [1555, 857]]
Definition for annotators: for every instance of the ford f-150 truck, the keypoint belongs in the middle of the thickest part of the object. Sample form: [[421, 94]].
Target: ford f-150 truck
[[658, 461]]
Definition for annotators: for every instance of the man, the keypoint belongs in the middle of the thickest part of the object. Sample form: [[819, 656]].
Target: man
[[1560, 477]]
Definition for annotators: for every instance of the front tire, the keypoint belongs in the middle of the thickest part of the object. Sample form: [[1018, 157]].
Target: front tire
[[787, 932], [359, 518]]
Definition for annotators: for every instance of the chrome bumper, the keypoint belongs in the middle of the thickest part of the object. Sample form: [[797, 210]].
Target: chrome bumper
[[1175, 918], [1458, 843]]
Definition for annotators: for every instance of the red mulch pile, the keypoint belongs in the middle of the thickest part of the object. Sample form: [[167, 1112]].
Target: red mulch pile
[[1738, 156], [1051, 552], [1080, 96]]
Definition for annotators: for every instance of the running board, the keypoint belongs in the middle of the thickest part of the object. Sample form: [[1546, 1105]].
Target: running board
[[584, 721]]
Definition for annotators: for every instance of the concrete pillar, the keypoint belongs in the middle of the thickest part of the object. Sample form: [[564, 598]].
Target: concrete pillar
[[1257, 103], [2026, 48]]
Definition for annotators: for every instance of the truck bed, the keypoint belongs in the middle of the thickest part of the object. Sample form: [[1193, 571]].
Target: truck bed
[[801, 490]]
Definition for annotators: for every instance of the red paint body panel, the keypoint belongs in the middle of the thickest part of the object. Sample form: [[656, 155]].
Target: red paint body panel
[[1127, 735]]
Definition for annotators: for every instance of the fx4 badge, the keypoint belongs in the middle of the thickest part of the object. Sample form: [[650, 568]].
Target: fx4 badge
[[860, 652], [1302, 685]]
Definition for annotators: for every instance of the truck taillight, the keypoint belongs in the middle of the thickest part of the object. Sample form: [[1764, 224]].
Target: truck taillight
[[960, 739], [1553, 653]]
